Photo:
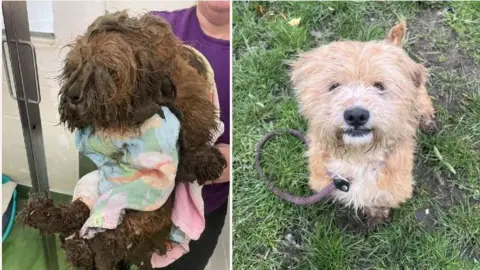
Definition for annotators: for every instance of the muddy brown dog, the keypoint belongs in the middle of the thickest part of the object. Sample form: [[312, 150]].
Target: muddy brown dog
[[364, 102], [116, 76]]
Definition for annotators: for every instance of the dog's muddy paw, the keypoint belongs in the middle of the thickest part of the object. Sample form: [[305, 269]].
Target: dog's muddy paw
[[429, 125], [211, 165], [184, 175], [351, 224], [42, 214], [377, 217], [37, 213], [78, 253]]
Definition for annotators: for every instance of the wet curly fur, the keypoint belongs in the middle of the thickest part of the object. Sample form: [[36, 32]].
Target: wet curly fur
[[116, 76]]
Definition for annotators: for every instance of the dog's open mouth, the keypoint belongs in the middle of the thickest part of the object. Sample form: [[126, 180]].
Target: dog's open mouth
[[357, 132]]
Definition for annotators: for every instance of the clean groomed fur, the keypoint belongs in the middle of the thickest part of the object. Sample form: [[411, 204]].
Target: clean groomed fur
[[364, 102]]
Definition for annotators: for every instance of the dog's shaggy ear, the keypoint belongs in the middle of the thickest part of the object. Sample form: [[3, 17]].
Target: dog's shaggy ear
[[302, 67], [195, 61], [169, 90], [419, 75], [397, 34]]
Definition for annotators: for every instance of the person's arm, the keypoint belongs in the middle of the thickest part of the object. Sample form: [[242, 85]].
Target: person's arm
[[225, 177]]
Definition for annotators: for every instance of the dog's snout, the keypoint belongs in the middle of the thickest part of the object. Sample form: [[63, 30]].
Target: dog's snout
[[356, 117], [75, 98]]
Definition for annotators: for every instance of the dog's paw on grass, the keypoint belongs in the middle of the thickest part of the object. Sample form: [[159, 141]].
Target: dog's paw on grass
[[429, 125]]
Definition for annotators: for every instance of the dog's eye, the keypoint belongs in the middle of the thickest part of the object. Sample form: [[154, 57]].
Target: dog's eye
[[333, 86], [379, 86]]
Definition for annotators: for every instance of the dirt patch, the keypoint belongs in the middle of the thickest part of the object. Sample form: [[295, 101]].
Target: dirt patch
[[291, 250], [435, 44], [424, 216], [472, 251], [444, 194], [349, 222], [439, 185], [432, 42]]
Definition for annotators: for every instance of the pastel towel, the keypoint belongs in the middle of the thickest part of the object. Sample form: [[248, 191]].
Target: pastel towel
[[135, 173], [187, 216]]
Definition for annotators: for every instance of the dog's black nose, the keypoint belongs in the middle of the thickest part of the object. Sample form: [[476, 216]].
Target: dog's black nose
[[356, 117], [72, 93]]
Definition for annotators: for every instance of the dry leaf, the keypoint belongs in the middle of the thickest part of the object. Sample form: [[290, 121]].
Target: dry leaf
[[295, 22], [283, 15], [260, 9]]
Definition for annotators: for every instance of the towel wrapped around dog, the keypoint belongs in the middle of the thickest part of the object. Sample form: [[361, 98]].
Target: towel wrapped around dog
[[136, 173], [188, 210]]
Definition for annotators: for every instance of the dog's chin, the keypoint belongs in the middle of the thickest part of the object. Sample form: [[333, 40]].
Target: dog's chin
[[357, 137], [72, 121]]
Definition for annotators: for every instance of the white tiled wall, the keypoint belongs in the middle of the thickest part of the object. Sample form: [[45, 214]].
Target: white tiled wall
[[70, 18]]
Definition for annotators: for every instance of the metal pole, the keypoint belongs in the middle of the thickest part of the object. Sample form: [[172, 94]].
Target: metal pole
[[25, 76]]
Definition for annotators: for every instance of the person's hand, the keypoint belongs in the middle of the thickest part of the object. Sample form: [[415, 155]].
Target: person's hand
[[225, 177]]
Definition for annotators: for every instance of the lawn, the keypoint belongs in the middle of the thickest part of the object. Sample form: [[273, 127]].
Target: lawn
[[439, 228]]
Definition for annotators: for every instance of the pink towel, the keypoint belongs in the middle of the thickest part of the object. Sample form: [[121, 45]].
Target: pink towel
[[188, 216]]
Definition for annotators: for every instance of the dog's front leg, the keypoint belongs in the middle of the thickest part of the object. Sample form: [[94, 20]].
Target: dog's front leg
[[207, 163], [318, 175], [108, 249], [185, 172], [78, 253], [41, 213], [377, 215], [394, 184], [428, 122]]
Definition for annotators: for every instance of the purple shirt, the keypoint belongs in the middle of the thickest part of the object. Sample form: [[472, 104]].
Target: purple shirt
[[186, 26]]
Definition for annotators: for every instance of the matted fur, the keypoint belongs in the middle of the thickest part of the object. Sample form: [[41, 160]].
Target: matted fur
[[380, 77], [116, 76]]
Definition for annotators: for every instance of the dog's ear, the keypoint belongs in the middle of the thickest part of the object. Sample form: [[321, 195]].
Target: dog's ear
[[195, 61], [397, 34], [304, 66], [419, 74], [168, 88]]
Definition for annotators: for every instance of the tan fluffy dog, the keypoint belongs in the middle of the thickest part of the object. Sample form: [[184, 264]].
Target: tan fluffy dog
[[364, 102]]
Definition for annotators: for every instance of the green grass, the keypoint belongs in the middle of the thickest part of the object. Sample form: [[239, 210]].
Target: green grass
[[465, 19], [272, 234]]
